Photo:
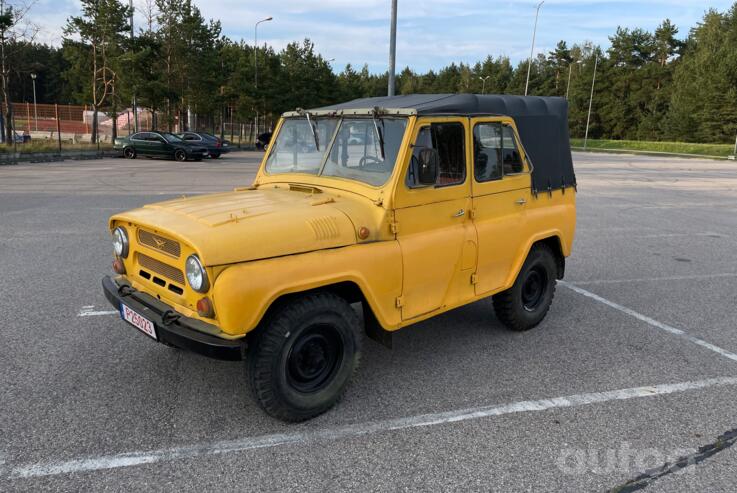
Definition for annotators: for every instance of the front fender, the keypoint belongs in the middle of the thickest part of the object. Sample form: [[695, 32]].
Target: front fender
[[242, 293]]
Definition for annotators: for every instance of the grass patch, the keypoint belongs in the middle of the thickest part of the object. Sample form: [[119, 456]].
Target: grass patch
[[52, 146], [721, 150]]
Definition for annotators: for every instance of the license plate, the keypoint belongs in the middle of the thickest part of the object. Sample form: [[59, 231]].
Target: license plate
[[138, 321]]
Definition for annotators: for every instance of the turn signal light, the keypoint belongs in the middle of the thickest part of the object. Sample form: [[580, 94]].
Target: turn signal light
[[118, 266], [204, 308]]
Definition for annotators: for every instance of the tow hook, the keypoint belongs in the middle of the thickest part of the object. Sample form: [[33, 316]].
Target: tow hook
[[125, 290], [169, 317]]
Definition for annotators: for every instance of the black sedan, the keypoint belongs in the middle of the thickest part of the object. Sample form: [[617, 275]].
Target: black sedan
[[215, 145], [159, 144]]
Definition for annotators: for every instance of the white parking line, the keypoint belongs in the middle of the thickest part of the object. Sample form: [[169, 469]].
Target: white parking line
[[652, 322], [694, 277], [89, 311], [128, 459]]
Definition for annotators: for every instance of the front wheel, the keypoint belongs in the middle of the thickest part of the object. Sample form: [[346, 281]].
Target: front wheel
[[524, 305], [303, 358], [129, 153], [180, 155]]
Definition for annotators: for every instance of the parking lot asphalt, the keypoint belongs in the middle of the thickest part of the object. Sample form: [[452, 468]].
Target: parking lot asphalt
[[634, 367]]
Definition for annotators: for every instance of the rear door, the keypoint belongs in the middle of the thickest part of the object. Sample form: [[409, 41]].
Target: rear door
[[501, 191], [139, 142]]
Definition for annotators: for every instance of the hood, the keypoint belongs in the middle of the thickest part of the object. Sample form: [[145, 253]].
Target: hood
[[250, 224]]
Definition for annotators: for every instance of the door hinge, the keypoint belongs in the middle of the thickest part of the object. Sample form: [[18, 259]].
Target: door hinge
[[394, 227], [474, 279], [399, 302]]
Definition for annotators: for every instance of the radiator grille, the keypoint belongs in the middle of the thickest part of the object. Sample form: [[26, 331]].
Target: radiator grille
[[165, 245], [158, 267]]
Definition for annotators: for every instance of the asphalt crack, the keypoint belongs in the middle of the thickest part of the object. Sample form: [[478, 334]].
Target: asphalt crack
[[723, 442]]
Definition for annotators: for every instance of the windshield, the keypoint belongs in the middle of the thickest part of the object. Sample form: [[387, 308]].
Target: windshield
[[363, 149], [366, 149], [294, 150], [171, 137]]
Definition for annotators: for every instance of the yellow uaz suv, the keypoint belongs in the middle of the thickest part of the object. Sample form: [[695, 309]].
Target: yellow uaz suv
[[410, 205]]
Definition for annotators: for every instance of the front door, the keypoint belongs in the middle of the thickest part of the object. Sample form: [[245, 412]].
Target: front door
[[158, 145], [501, 191], [434, 229]]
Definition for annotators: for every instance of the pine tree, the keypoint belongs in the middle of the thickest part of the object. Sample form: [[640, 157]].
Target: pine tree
[[101, 29]]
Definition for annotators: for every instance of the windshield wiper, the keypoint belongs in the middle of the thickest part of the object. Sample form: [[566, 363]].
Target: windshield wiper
[[314, 131], [379, 134]]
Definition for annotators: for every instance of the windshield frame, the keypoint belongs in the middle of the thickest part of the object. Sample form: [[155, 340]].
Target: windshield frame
[[329, 148]]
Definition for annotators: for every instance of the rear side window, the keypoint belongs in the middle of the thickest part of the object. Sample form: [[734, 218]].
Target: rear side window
[[512, 157], [487, 152], [449, 140], [495, 152]]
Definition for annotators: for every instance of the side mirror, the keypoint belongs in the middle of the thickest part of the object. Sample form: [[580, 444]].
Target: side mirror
[[429, 163]]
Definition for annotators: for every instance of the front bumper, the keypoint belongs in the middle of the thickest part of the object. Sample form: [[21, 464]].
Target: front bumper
[[172, 327]]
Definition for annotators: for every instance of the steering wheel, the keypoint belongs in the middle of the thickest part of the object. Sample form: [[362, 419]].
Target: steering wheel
[[368, 160]]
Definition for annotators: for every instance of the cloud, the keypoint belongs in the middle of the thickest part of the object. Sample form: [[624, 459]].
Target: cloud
[[431, 33]]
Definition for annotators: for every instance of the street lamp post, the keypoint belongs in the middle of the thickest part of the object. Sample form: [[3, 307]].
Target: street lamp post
[[483, 86], [35, 110], [570, 72], [255, 50], [392, 48], [134, 102], [255, 70], [532, 48], [591, 101]]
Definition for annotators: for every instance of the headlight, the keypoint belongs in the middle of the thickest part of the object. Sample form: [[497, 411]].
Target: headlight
[[120, 242], [196, 274]]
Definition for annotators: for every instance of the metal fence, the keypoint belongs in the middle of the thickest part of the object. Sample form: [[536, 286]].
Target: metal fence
[[61, 125]]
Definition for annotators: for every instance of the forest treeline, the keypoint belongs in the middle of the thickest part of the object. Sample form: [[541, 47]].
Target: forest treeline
[[659, 85]]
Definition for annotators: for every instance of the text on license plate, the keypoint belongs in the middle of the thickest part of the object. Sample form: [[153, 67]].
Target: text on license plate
[[141, 323]]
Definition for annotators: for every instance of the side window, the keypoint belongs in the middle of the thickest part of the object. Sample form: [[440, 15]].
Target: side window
[[487, 151], [512, 158], [495, 152], [139, 136], [449, 140]]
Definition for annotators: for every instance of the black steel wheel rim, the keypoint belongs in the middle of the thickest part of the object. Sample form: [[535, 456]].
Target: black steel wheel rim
[[534, 287], [314, 358]]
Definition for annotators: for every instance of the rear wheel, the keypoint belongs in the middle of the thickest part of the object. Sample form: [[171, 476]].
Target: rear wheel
[[180, 155], [215, 155], [129, 153], [525, 304], [302, 360]]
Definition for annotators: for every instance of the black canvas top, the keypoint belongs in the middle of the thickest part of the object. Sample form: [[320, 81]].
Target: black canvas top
[[542, 123]]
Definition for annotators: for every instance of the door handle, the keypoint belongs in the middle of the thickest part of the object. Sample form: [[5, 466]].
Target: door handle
[[520, 201], [460, 213]]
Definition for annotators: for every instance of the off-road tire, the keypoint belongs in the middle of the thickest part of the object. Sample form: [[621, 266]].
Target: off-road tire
[[288, 339], [180, 155], [129, 153], [514, 307]]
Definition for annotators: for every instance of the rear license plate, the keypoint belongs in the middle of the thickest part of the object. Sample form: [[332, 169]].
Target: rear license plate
[[138, 321]]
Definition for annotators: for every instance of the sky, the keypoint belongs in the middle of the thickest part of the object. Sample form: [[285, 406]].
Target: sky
[[431, 33]]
